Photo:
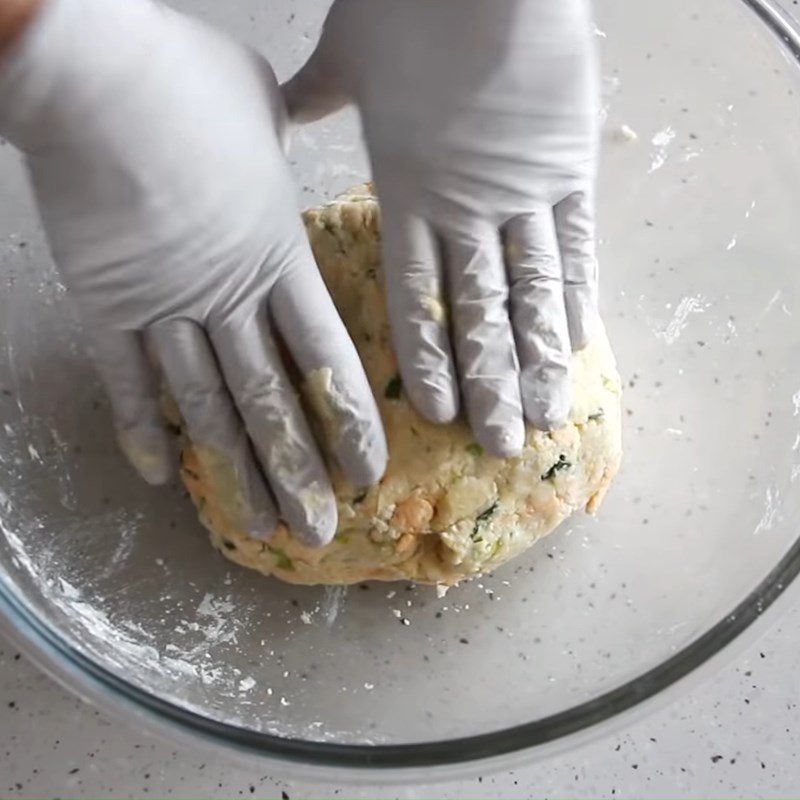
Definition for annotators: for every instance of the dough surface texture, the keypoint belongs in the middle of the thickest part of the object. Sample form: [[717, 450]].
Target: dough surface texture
[[444, 510]]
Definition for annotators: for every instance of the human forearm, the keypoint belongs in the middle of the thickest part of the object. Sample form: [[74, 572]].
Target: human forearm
[[15, 16], [71, 54]]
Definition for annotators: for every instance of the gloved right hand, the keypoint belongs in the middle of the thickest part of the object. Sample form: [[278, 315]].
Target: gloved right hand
[[154, 146]]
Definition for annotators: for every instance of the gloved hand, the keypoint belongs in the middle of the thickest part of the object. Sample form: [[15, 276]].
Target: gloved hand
[[154, 146], [481, 119]]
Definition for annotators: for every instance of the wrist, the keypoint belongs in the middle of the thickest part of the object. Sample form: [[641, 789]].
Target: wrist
[[68, 62], [15, 17], [29, 68]]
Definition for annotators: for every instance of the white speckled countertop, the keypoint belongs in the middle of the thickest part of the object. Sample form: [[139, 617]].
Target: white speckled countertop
[[737, 736]]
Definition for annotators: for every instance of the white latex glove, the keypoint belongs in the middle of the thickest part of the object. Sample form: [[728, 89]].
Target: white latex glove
[[481, 121], [153, 143]]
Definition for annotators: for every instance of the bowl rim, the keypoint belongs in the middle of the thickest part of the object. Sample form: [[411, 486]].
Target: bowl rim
[[46, 647], [87, 678]]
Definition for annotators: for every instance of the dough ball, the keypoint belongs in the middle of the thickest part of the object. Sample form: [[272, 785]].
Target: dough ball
[[444, 509]]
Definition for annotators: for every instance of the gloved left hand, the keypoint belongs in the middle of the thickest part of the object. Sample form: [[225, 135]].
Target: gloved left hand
[[481, 120]]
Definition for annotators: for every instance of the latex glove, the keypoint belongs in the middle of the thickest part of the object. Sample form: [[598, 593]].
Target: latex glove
[[153, 143], [481, 120]]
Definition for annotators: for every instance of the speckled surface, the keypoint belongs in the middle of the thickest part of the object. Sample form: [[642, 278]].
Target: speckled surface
[[733, 737], [737, 736]]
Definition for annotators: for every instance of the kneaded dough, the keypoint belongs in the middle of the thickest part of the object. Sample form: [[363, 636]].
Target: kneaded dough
[[444, 509]]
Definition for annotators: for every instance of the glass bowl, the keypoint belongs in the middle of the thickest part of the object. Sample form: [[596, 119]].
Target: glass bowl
[[112, 587]]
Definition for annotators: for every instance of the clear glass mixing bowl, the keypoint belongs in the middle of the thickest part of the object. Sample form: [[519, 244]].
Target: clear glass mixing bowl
[[112, 586]]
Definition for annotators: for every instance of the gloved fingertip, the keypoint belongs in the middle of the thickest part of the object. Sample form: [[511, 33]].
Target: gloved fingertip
[[436, 401], [583, 323], [149, 453], [546, 398], [315, 525], [505, 442], [157, 475], [315, 537], [581, 333], [262, 526], [367, 464], [548, 420]]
